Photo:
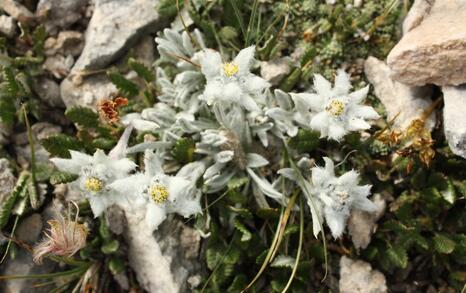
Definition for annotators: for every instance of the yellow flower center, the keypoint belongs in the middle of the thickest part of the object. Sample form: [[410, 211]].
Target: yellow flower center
[[93, 184], [230, 69], [158, 193], [335, 108]]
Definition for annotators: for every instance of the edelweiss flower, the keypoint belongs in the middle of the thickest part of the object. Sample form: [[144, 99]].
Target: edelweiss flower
[[332, 197], [97, 172], [65, 238], [232, 81], [337, 111], [163, 194]]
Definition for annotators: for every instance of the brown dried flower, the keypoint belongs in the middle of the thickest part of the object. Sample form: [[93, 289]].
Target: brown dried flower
[[64, 238], [108, 108]]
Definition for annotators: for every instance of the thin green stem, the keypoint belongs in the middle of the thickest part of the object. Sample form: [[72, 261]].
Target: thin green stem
[[300, 245]]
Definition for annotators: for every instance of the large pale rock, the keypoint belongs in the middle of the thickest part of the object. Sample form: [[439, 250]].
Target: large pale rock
[[361, 224], [407, 102], [416, 14], [274, 71], [48, 91], [7, 180], [7, 26], [115, 26], [165, 260], [454, 118], [435, 50], [17, 11], [86, 92], [60, 14], [357, 276]]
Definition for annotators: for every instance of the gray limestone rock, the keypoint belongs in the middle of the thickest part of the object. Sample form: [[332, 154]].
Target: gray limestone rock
[[361, 224], [416, 14], [48, 91], [7, 26], [7, 179], [407, 102], [454, 118], [433, 52], [165, 260], [274, 71], [60, 14], [115, 26], [17, 11], [357, 276]]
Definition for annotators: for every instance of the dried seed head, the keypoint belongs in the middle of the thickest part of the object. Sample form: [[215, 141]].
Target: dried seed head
[[63, 238], [108, 108]]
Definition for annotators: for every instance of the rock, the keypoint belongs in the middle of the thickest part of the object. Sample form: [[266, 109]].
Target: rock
[[407, 102], [453, 118], [7, 26], [29, 229], [416, 14], [59, 65], [24, 266], [86, 92], [274, 71], [165, 262], [40, 131], [115, 218], [435, 50], [5, 132], [115, 25], [48, 91], [66, 43], [60, 14], [359, 277], [7, 180], [361, 225], [17, 11]]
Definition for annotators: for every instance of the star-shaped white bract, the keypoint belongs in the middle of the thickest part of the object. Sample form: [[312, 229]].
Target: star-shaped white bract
[[96, 173], [337, 196], [163, 194], [232, 81], [336, 110]]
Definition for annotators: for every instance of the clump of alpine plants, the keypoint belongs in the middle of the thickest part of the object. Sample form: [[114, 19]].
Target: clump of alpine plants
[[238, 126]]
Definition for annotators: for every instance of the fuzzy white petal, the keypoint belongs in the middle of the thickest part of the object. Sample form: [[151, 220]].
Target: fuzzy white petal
[[244, 59], [256, 160], [155, 215], [322, 86]]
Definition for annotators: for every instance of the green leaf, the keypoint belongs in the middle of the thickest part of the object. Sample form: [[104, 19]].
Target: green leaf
[[283, 261], [110, 247], [9, 202], [449, 194], [60, 144], [183, 150], [306, 141], [238, 284], [125, 86], [83, 116], [243, 212], [141, 69], [59, 177], [7, 107], [103, 143], [443, 244], [247, 235], [168, 9], [12, 86], [213, 255], [116, 265], [398, 256], [38, 37], [237, 182]]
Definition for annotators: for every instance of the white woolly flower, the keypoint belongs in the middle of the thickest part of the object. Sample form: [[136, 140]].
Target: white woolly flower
[[332, 198], [97, 172], [163, 194], [337, 111], [232, 81]]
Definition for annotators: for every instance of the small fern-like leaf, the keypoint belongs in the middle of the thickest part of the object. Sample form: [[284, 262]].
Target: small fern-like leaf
[[125, 86], [83, 116], [8, 204], [142, 70]]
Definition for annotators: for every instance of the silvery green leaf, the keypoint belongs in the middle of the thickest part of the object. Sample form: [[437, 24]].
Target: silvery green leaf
[[256, 160], [283, 261]]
